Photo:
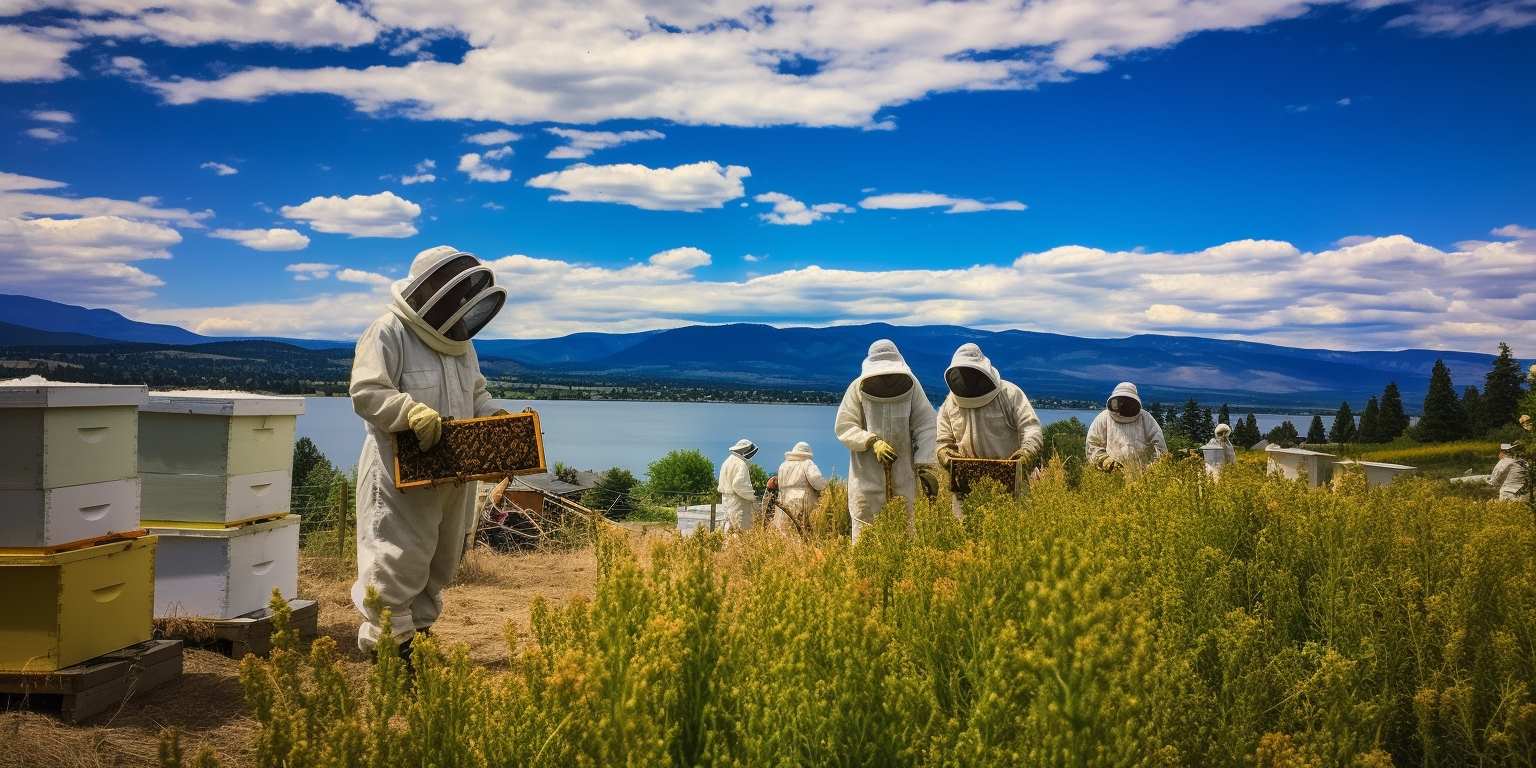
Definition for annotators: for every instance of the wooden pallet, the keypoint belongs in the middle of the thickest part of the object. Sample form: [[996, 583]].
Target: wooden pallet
[[97, 686], [251, 633]]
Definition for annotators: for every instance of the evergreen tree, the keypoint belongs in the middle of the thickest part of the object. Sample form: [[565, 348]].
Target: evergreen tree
[[1156, 409], [1224, 416], [613, 494], [1284, 435], [1251, 428], [1393, 421], [1501, 391], [1343, 430], [1317, 433], [1443, 418], [1472, 405], [1207, 427], [1191, 422], [1370, 423]]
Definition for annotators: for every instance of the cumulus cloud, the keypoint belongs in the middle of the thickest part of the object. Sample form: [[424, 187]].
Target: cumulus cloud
[[906, 201], [24, 196], [197, 22], [265, 239], [42, 133], [492, 138], [82, 259], [382, 215], [579, 144], [360, 276], [478, 167], [1385, 292], [130, 67], [310, 270], [789, 211], [219, 168], [691, 187], [422, 174], [35, 54], [51, 116]]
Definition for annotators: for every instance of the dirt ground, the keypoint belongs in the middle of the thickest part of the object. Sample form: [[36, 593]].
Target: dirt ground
[[208, 707]]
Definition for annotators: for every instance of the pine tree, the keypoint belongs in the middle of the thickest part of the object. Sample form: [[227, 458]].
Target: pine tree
[[1394, 420], [1343, 430], [1316, 433], [1156, 409], [1284, 435], [1472, 406], [1501, 391], [1251, 426], [1443, 418], [1191, 423], [1207, 426], [1370, 423], [1224, 416]]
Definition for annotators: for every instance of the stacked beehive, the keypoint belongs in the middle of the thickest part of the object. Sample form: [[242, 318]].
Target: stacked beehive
[[76, 567], [217, 479]]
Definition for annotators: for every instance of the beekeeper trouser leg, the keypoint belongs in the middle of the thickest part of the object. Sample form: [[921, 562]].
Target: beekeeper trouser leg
[[408, 548]]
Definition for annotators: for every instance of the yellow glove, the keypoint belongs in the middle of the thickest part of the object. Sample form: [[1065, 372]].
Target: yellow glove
[[928, 477], [1024, 455], [947, 456], [883, 451], [1108, 464], [502, 412], [426, 423]]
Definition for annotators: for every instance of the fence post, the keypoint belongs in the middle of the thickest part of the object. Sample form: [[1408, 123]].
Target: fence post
[[341, 519], [712, 504]]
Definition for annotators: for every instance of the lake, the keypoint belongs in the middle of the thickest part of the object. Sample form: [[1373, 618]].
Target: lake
[[602, 434]]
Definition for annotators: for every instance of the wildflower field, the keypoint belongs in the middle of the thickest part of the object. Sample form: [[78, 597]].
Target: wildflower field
[[1160, 620]]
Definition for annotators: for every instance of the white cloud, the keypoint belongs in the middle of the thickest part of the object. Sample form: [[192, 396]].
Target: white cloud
[[47, 134], [1344, 102], [1387, 292], [51, 116], [498, 153], [493, 206], [691, 187], [359, 276], [196, 22], [492, 138], [22, 196], [1460, 17], [35, 54], [789, 211], [219, 168], [130, 67], [1515, 231], [474, 165], [382, 215], [265, 239], [422, 174], [751, 258], [906, 201], [579, 144], [310, 270], [84, 259]]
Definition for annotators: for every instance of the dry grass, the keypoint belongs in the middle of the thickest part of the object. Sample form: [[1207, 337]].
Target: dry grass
[[207, 704]]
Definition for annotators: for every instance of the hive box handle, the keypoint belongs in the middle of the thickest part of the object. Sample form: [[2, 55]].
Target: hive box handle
[[260, 488], [92, 435], [260, 569], [95, 511], [108, 593]]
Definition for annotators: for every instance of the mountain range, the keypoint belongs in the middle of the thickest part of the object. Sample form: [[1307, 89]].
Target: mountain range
[[1167, 368]]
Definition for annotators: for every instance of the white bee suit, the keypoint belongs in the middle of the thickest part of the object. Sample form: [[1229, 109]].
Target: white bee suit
[[800, 485], [1134, 441], [737, 496], [408, 542], [906, 421], [993, 426], [1509, 477]]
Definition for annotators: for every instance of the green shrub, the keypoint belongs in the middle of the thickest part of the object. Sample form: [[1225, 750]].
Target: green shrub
[[681, 473]]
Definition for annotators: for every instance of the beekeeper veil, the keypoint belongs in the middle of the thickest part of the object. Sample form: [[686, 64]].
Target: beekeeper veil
[[448, 298]]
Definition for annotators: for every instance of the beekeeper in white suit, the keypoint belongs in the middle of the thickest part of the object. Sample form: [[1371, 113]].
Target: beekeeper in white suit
[[885, 420], [737, 496], [1124, 435], [800, 486], [985, 416], [415, 367], [1508, 474]]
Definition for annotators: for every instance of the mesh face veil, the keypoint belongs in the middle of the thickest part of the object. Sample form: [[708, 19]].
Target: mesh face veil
[[456, 297]]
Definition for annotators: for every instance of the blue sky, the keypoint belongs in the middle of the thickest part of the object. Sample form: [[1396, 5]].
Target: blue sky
[[1354, 175]]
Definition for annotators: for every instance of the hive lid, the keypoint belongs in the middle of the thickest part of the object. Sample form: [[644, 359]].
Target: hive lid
[[72, 555], [211, 402], [1298, 452], [207, 532], [1378, 464], [38, 392]]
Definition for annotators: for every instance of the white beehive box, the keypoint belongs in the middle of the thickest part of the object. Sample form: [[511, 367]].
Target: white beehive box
[[210, 456], [221, 573], [1216, 456], [1294, 462], [51, 518], [58, 434], [1379, 472]]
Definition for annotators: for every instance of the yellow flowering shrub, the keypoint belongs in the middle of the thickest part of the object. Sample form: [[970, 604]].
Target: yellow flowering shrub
[[1161, 619]]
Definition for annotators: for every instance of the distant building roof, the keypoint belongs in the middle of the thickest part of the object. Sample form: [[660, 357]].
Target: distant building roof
[[548, 483], [1260, 445]]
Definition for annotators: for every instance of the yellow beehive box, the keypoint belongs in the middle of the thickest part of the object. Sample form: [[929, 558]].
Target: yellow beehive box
[[65, 608]]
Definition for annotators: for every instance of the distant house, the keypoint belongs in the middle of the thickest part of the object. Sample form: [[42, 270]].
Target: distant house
[[529, 491], [1260, 445]]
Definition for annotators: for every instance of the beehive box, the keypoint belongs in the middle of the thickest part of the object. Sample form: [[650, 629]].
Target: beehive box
[[219, 499], [65, 608], [221, 573], [965, 473], [217, 433], [485, 448], [55, 518], [58, 434], [1379, 472], [1292, 463]]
